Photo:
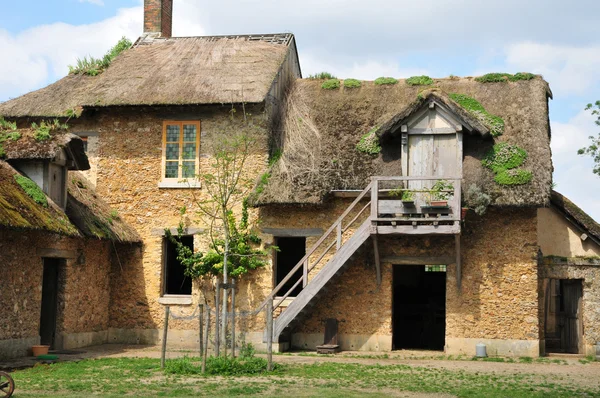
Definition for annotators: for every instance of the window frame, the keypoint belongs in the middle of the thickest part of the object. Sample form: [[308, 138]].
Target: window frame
[[174, 182]]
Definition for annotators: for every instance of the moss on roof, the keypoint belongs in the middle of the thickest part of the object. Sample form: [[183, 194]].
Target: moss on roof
[[19, 211]]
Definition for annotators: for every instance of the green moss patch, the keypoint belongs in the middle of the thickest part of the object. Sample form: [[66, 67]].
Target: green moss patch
[[504, 156], [492, 122], [513, 177], [322, 76], [369, 143], [504, 77], [383, 81], [32, 189], [419, 81], [8, 131], [331, 84], [352, 83], [504, 159]]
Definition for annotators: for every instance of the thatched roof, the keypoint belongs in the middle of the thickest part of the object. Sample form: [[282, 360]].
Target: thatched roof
[[19, 211], [576, 215], [321, 129], [174, 71], [27, 147], [92, 215]]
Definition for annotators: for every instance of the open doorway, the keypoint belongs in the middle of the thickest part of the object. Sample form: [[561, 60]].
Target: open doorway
[[49, 310], [291, 251], [419, 307], [563, 323]]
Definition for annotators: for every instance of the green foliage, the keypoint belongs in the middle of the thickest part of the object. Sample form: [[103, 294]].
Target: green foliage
[[504, 77], [244, 252], [504, 156], [439, 190], [593, 149], [13, 136], [405, 194], [74, 113], [477, 200], [93, 66], [352, 83], [32, 189], [503, 159], [331, 84], [513, 177], [218, 366], [419, 81], [8, 131], [369, 143], [381, 81], [247, 351], [492, 122], [322, 76], [42, 131], [5, 125]]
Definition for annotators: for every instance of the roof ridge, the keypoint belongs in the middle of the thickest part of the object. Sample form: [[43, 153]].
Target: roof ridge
[[275, 38]]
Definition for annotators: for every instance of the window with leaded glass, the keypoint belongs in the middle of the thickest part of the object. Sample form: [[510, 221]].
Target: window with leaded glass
[[181, 145]]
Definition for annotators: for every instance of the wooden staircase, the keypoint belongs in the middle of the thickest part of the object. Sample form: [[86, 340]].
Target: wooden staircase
[[385, 216]]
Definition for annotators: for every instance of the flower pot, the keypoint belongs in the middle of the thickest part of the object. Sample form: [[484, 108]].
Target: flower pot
[[463, 213], [438, 203], [408, 203], [40, 350]]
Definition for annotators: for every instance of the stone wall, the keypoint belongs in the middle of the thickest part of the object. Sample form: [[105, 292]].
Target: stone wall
[[84, 293], [128, 176]]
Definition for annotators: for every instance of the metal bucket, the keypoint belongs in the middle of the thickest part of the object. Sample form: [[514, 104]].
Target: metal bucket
[[480, 351]]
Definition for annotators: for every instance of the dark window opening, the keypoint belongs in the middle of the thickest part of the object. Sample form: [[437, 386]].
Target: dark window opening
[[85, 144], [176, 282], [291, 251], [419, 307]]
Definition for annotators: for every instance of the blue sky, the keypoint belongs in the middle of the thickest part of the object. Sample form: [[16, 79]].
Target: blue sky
[[352, 38]]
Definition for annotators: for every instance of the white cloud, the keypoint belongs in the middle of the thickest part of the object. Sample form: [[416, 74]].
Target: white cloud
[[573, 173], [366, 70], [570, 70], [96, 2]]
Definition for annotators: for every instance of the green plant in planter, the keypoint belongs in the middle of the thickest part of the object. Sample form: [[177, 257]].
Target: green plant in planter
[[408, 196], [438, 191]]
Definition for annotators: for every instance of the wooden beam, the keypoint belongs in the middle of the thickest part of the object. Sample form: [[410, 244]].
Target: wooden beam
[[433, 130], [377, 262], [292, 232], [419, 230], [458, 263], [57, 253], [186, 231], [419, 260]]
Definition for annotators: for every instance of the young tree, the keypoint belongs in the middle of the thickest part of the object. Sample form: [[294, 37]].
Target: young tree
[[234, 249], [593, 149]]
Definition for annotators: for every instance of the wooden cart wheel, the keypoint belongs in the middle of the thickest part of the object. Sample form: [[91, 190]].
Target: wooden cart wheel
[[7, 385]]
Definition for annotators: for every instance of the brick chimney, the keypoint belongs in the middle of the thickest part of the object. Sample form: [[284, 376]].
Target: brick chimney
[[158, 17]]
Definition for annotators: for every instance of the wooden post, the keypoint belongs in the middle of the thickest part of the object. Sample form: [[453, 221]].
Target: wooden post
[[338, 242], [217, 334], [305, 273], [200, 328], [377, 261], [233, 317], [206, 333], [269, 315], [374, 194], [163, 352], [458, 262]]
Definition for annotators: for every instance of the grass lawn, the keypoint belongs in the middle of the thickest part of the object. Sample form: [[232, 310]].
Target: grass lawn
[[142, 377]]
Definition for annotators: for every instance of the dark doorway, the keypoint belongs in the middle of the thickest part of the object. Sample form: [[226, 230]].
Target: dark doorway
[[419, 307], [291, 251], [49, 301], [563, 324], [176, 282]]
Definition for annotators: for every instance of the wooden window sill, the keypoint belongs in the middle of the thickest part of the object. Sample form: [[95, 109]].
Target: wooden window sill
[[179, 184], [175, 300]]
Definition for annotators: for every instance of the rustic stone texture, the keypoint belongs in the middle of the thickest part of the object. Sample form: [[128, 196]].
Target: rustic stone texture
[[128, 174], [84, 293], [590, 274]]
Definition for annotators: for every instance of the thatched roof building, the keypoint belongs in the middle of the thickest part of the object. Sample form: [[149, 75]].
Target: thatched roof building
[[322, 127], [27, 147], [576, 215], [171, 71], [18, 210]]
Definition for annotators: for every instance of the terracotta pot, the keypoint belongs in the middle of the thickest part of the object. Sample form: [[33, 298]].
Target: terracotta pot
[[40, 350], [438, 203], [463, 213]]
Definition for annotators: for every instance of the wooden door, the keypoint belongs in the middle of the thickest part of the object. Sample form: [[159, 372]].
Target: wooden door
[[49, 301], [572, 330]]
